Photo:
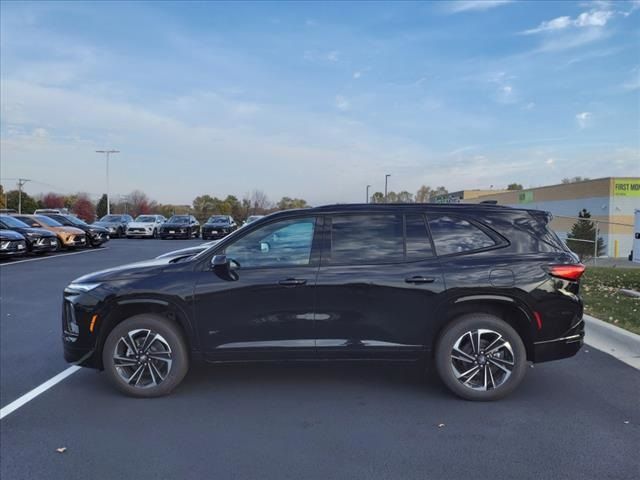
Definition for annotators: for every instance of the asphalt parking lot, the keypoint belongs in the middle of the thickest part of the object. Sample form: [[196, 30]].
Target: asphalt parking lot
[[577, 418]]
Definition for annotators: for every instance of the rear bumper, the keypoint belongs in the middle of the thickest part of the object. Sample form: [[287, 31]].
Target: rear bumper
[[563, 347]]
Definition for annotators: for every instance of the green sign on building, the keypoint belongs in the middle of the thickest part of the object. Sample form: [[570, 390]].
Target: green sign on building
[[525, 197]]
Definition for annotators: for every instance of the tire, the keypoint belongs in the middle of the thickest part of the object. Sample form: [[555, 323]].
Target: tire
[[155, 233], [474, 374], [167, 374]]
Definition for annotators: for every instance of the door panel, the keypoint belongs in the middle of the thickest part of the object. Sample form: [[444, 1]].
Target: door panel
[[264, 308], [377, 286]]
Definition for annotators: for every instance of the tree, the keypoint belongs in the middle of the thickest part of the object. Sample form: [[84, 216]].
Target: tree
[[204, 206], [259, 202], [138, 203], [423, 194], [29, 204], [377, 197], [584, 230], [83, 207], [514, 186], [2, 203], [405, 197], [287, 203], [101, 207], [574, 179], [440, 191], [52, 200]]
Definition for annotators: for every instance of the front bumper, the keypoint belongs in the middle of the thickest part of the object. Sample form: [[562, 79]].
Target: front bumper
[[98, 238], [75, 241], [10, 248], [175, 234], [44, 244], [566, 346], [215, 233]]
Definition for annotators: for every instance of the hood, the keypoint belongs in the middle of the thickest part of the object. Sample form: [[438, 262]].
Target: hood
[[218, 223], [141, 224], [10, 235], [175, 225], [71, 230], [96, 228], [124, 272], [40, 232]]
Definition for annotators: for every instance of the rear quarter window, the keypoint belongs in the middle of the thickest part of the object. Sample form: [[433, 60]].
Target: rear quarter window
[[453, 235]]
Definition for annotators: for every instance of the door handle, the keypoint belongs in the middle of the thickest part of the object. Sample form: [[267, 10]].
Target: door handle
[[420, 279], [292, 282]]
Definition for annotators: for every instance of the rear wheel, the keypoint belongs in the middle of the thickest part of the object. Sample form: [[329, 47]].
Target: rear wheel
[[481, 357], [145, 356]]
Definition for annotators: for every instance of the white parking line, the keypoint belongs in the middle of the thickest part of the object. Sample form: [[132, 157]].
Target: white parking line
[[54, 256], [27, 397]]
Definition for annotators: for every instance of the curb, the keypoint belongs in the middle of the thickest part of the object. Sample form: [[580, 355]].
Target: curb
[[617, 342]]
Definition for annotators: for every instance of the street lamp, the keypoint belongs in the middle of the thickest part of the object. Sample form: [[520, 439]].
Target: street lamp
[[386, 177], [107, 153], [368, 186]]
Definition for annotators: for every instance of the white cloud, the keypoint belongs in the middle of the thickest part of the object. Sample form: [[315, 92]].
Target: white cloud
[[333, 56], [584, 119], [530, 106], [474, 5], [549, 161], [593, 18], [342, 103], [357, 75]]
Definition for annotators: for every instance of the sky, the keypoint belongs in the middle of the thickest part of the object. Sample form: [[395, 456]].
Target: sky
[[316, 100]]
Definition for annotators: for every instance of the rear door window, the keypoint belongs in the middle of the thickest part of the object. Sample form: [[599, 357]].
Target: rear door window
[[366, 239], [456, 235]]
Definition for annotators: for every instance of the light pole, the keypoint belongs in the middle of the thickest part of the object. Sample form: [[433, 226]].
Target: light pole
[[368, 187], [21, 182], [386, 177], [107, 153]]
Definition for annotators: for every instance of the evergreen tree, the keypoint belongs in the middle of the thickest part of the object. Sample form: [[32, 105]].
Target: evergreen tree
[[101, 208], [584, 230]]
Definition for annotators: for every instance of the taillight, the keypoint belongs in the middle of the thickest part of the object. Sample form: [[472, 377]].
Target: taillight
[[567, 272]]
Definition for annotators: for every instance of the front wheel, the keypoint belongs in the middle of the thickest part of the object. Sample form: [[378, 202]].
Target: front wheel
[[481, 357], [145, 356]]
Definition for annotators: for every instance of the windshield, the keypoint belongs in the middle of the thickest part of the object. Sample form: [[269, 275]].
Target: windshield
[[12, 222], [111, 218], [179, 219], [146, 219], [49, 222], [75, 220], [218, 219]]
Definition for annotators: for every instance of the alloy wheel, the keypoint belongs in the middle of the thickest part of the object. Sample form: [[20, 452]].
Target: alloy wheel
[[142, 358], [482, 359]]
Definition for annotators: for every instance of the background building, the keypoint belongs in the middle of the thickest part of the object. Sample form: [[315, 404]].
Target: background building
[[611, 202], [461, 196]]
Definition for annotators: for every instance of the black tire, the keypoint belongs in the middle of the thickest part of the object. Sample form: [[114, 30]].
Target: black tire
[[170, 335], [514, 352], [155, 233], [119, 233]]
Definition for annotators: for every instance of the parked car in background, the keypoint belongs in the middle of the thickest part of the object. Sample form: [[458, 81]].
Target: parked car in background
[[12, 244], [38, 240], [145, 226], [68, 237], [180, 226], [57, 211], [252, 218], [218, 226], [115, 224], [189, 251], [96, 235], [480, 290]]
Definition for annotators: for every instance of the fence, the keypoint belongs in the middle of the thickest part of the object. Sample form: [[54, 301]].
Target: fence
[[617, 237]]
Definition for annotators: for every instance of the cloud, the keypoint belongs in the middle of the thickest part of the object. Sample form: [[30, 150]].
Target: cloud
[[584, 119], [593, 18], [333, 55], [474, 5], [549, 161], [634, 83], [342, 103], [357, 75]]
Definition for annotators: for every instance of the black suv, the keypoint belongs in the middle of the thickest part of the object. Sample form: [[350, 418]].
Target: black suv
[[479, 289], [38, 240], [218, 226], [180, 226]]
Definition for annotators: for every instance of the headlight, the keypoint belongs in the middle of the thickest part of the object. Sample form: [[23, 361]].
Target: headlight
[[82, 287]]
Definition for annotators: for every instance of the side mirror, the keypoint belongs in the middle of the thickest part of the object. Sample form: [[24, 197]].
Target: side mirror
[[220, 261]]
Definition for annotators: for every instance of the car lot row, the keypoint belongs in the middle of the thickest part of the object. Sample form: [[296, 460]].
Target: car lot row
[[49, 231]]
